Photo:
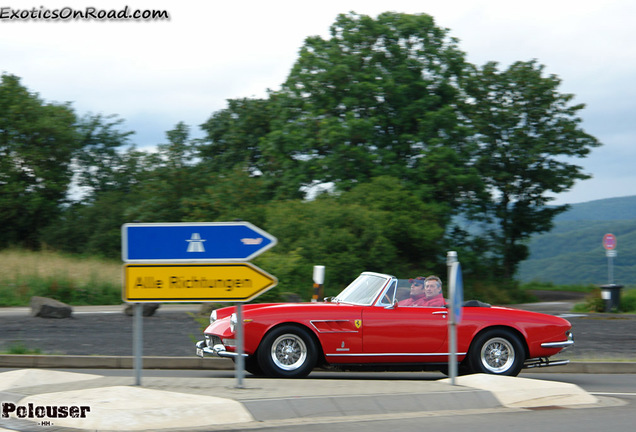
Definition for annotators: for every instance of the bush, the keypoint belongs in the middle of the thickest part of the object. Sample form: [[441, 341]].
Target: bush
[[595, 303], [20, 291], [628, 301], [549, 286], [500, 293], [20, 348]]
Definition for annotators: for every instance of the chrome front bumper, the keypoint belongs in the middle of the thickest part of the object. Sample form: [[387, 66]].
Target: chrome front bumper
[[544, 361], [218, 350], [561, 344]]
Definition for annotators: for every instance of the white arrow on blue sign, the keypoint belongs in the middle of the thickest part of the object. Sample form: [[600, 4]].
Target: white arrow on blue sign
[[193, 242]]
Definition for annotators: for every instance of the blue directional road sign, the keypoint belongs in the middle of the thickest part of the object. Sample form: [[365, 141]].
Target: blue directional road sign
[[193, 242]]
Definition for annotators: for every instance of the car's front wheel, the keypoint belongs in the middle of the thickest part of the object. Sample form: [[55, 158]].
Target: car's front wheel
[[251, 365], [287, 352], [498, 352]]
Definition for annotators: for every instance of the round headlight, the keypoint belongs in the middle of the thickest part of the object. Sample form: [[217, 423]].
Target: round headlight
[[213, 316], [233, 322]]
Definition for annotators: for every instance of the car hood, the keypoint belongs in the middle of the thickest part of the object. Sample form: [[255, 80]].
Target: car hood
[[278, 308]]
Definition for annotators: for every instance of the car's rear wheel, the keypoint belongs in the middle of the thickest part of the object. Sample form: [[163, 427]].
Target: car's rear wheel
[[287, 352], [498, 352]]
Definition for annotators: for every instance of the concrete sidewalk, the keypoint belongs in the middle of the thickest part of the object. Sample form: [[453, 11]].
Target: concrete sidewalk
[[65, 401]]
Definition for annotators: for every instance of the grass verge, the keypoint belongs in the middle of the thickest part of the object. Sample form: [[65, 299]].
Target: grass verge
[[72, 280]]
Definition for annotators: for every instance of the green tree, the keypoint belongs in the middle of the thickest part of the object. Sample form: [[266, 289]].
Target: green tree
[[108, 177], [170, 177], [91, 228], [377, 226], [232, 195], [233, 135], [37, 144], [234, 141], [527, 133], [100, 165], [377, 98], [346, 238], [415, 230]]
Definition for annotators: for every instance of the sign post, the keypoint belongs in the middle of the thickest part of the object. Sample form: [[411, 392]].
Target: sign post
[[456, 298], [609, 243], [239, 369], [193, 262], [138, 341]]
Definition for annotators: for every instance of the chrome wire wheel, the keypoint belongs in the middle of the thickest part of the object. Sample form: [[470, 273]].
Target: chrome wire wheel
[[498, 351], [497, 355], [289, 352]]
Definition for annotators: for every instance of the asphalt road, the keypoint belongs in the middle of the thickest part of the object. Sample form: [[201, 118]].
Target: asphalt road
[[616, 415], [104, 332], [616, 418], [172, 331]]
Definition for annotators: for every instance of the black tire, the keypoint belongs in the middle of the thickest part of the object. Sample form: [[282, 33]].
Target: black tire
[[251, 365], [287, 352], [461, 369], [497, 352]]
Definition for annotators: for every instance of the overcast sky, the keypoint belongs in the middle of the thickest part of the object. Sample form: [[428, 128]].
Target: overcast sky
[[154, 74]]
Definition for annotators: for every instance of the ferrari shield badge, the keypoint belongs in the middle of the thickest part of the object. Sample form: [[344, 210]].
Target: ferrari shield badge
[[358, 323]]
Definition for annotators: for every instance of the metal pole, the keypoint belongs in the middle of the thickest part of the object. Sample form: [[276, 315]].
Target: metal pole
[[240, 361], [451, 259], [138, 341]]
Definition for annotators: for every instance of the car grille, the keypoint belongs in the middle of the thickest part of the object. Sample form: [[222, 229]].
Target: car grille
[[211, 340]]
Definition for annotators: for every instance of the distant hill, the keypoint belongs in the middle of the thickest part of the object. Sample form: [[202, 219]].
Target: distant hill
[[609, 209], [573, 251]]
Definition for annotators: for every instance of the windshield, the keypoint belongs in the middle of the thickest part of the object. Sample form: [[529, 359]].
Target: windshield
[[363, 290]]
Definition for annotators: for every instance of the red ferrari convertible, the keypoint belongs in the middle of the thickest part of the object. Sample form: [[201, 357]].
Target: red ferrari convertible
[[366, 327]]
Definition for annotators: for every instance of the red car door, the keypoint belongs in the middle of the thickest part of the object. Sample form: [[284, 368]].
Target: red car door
[[405, 334]]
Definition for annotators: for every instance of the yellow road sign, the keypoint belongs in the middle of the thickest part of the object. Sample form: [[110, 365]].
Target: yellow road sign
[[224, 282]]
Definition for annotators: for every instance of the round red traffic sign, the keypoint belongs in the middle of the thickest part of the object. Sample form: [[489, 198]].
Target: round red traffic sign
[[609, 241]]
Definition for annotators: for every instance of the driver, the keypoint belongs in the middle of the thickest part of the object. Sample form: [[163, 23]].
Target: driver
[[425, 292]]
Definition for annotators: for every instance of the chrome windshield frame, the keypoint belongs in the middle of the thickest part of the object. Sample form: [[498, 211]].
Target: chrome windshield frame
[[375, 283]]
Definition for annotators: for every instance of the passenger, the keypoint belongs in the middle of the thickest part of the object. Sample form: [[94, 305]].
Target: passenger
[[425, 292]]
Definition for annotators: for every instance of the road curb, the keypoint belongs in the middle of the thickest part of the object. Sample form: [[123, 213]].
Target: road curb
[[593, 368], [155, 362]]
